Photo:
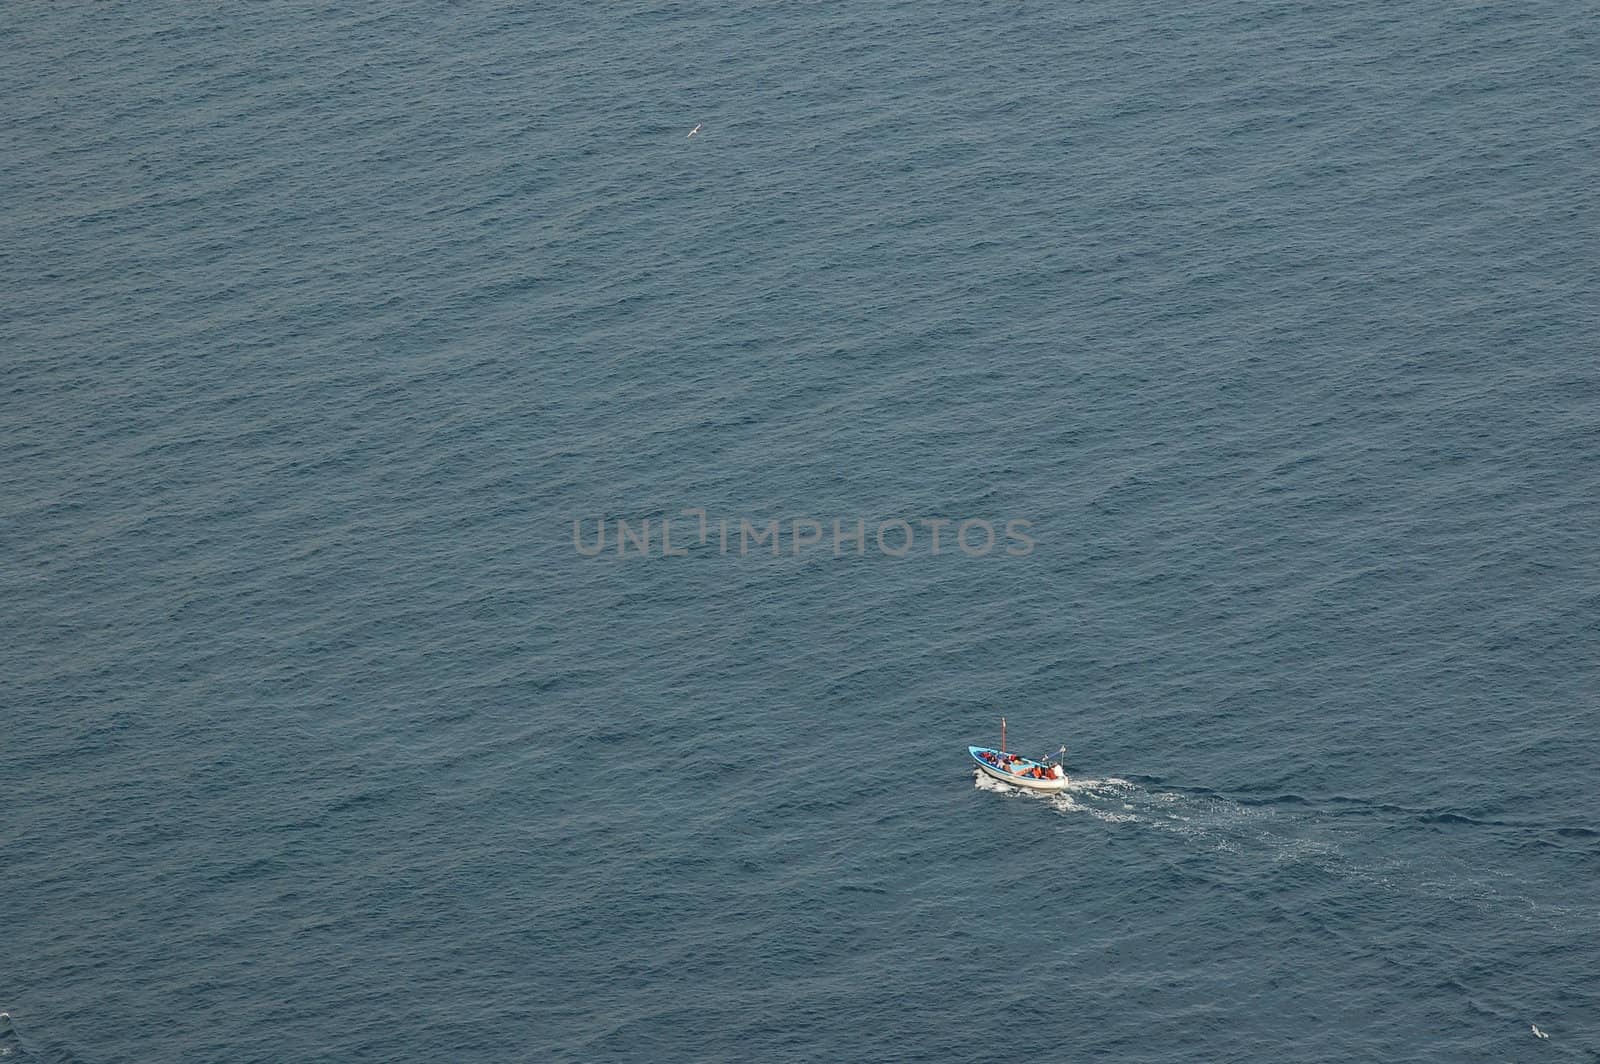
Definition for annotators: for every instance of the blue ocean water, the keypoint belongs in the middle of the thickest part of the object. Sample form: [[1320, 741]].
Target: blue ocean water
[[324, 740]]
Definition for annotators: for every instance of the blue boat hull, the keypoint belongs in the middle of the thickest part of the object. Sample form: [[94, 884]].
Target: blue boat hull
[[1014, 772]]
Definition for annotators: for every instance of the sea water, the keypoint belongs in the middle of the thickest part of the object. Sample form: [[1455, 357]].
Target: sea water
[[322, 331]]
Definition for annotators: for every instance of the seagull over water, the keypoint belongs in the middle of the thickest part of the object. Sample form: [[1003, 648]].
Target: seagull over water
[[695, 130], [1538, 1033]]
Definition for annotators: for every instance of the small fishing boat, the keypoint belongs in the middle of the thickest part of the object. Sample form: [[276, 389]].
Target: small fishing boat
[[1037, 774]]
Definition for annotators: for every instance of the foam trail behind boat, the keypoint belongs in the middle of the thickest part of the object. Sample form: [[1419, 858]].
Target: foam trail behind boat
[[14, 1051]]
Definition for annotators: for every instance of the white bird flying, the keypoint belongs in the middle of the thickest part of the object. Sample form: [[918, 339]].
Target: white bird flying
[[695, 130], [1538, 1033]]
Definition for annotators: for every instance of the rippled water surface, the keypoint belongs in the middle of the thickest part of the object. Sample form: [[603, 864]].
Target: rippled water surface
[[320, 327]]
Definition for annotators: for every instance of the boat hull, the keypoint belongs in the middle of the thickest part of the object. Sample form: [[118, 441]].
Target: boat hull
[[1015, 778]]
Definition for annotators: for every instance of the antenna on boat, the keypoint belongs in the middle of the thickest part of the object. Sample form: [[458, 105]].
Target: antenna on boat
[[1002, 735]]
